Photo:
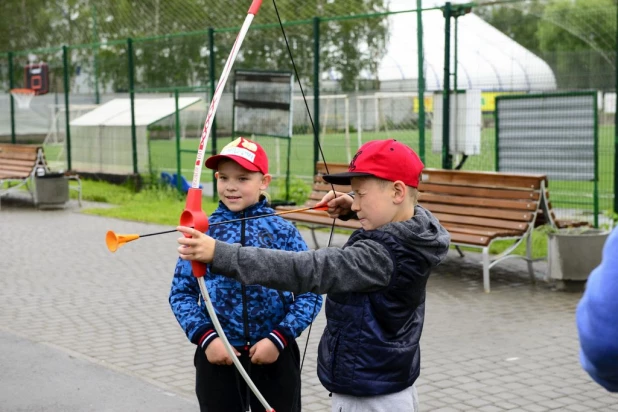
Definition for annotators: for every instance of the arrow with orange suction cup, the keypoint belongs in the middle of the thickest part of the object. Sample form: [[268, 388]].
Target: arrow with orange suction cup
[[115, 240]]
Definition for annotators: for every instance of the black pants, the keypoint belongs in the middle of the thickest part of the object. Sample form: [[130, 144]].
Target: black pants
[[220, 388]]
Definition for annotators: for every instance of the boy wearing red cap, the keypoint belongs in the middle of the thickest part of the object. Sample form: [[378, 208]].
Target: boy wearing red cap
[[261, 323], [369, 355]]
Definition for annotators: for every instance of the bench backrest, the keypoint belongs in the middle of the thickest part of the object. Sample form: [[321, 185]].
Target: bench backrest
[[503, 201], [320, 187], [18, 161]]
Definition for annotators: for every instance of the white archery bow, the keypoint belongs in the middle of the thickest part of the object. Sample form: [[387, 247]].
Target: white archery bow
[[196, 194]]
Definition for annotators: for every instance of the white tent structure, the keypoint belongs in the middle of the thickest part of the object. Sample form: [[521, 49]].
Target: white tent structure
[[101, 139], [487, 59]]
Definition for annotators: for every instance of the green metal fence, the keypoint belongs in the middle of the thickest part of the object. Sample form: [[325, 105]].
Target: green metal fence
[[341, 61]]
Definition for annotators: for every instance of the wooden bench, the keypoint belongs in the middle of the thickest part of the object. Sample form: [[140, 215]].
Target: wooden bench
[[20, 163], [477, 208]]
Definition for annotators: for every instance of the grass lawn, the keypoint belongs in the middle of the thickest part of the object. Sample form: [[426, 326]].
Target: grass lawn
[[565, 194]]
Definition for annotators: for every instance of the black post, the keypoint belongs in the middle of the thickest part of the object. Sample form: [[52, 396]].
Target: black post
[[132, 99], [446, 96], [316, 93], [211, 76], [67, 113], [11, 99]]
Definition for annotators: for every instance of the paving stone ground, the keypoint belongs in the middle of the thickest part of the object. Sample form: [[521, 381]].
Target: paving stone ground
[[514, 349]]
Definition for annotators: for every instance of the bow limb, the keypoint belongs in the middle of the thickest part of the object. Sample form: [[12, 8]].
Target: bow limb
[[193, 215]]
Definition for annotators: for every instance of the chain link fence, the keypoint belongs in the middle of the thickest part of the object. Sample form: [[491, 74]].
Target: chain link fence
[[371, 78]]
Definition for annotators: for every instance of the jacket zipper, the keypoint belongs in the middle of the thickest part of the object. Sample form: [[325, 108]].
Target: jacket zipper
[[245, 311]]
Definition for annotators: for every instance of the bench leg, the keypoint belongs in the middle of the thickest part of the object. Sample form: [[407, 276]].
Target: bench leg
[[315, 239], [486, 269], [529, 256], [458, 249]]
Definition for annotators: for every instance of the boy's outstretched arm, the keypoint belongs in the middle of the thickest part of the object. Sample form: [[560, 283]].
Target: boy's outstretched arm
[[364, 266]]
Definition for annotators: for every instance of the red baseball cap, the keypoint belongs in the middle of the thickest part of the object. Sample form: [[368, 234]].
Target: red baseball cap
[[385, 159], [245, 152]]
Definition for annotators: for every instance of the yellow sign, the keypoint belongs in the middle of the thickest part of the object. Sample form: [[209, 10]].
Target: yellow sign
[[488, 101]]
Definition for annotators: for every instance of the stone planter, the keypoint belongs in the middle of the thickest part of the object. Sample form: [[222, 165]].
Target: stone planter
[[572, 253], [52, 190]]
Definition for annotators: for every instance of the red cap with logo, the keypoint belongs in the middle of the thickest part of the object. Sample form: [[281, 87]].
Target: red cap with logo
[[245, 152], [385, 159]]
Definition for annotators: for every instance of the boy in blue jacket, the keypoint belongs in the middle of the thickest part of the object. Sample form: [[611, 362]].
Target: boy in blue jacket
[[597, 319], [261, 323], [369, 354]]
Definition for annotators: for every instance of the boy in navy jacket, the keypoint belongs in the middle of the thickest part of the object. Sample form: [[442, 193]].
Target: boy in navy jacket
[[261, 323]]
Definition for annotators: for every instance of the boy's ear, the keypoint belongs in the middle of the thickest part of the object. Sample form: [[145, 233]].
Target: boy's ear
[[216, 175], [266, 179], [399, 192]]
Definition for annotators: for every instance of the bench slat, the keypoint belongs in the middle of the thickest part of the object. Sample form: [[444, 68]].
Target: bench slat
[[16, 162], [17, 156], [478, 201], [488, 179], [332, 167], [479, 211], [326, 187], [475, 240], [14, 173], [479, 230], [485, 222], [475, 191]]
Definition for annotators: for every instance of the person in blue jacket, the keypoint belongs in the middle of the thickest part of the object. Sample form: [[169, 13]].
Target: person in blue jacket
[[597, 319], [261, 323]]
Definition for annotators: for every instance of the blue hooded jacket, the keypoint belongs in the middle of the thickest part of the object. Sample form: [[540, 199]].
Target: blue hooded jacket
[[597, 319], [247, 313]]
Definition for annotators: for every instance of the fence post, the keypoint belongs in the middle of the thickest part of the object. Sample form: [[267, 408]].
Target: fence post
[[97, 96], [132, 99], [446, 95], [213, 127], [316, 93], [67, 113], [11, 100], [177, 133], [421, 81]]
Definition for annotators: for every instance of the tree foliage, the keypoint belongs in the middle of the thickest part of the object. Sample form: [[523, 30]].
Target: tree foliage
[[575, 37], [346, 46]]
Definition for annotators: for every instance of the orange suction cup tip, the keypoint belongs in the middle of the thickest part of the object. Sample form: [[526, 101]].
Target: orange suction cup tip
[[114, 241]]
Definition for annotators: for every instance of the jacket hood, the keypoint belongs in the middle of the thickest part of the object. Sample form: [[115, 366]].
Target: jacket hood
[[423, 233]]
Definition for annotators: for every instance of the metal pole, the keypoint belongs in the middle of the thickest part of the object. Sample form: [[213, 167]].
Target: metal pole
[[177, 119], [316, 92], [67, 114], [97, 97], [132, 98], [421, 81], [213, 130], [11, 100], [446, 101]]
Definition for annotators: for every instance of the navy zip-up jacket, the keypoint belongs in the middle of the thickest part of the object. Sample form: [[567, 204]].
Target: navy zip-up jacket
[[375, 304], [247, 313]]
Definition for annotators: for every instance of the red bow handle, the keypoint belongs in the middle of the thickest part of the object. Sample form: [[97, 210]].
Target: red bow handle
[[193, 216]]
